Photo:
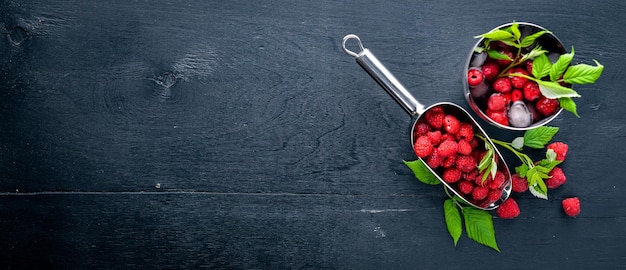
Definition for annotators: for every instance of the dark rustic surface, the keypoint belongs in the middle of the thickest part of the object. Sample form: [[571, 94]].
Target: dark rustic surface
[[237, 134]]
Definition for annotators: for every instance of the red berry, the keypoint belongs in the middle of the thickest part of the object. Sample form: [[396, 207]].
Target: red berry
[[422, 128], [557, 178], [520, 184], [490, 70], [502, 85], [434, 117], [560, 149], [474, 76], [497, 102], [466, 132], [494, 195], [451, 175], [516, 81], [505, 62], [434, 160], [531, 91], [465, 187], [508, 209], [434, 137], [499, 117], [447, 148], [471, 175], [451, 124], [422, 146], [571, 206], [516, 95], [480, 193], [529, 66], [465, 163], [464, 147], [449, 161], [498, 181], [547, 106]]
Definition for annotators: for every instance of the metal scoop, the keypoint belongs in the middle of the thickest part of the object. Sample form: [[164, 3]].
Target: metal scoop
[[394, 88]]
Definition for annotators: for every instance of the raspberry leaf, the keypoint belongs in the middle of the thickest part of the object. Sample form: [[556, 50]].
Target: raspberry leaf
[[583, 73], [453, 219], [422, 173], [497, 55], [497, 35], [561, 65], [539, 137], [479, 227], [569, 105], [535, 52], [555, 90], [518, 143], [537, 193], [529, 40], [541, 66]]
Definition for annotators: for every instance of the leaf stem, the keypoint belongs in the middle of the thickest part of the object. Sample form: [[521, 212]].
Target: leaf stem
[[525, 159]]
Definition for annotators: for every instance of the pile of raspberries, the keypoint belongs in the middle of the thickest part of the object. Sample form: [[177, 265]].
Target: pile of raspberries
[[446, 142]]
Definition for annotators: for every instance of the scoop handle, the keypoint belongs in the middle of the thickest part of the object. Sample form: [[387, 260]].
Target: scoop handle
[[383, 77]]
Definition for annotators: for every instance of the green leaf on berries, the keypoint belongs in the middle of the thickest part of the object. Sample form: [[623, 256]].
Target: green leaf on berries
[[535, 52], [559, 67], [555, 90], [522, 170], [539, 137], [569, 105], [541, 66], [497, 35], [453, 219], [479, 227], [529, 40], [497, 55], [583, 73], [422, 173], [488, 164]]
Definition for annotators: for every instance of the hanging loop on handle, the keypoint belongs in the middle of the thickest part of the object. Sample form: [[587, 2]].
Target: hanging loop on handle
[[383, 77]]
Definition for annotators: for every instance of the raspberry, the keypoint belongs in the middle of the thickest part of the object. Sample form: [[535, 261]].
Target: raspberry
[[520, 184], [449, 161], [434, 160], [516, 95], [434, 117], [502, 85], [490, 70], [480, 193], [496, 102], [557, 178], [434, 137], [497, 182], [560, 149], [471, 175], [474, 76], [464, 147], [571, 206], [516, 81], [465, 187], [451, 175], [547, 106], [466, 132], [494, 195], [508, 209], [529, 66], [422, 128], [505, 62], [451, 124], [447, 148], [422, 146], [465, 163], [531, 91], [498, 117]]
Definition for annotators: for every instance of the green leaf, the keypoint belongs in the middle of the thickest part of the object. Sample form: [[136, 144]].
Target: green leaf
[[539, 137], [493, 54], [555, 90], [497, 35], [533, 53], [561, 65], [518, 143], [538, 193], [422, 173], [569, 105], [541, 66], [529, 40], [479, 227], [453, 219], [522, 170], [515, 31], [583, 73]]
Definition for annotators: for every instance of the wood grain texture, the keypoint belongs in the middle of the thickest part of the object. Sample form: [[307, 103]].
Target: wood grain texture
[[201, 134]]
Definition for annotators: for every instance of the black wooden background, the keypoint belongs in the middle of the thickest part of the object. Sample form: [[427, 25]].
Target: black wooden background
[[237, 134]]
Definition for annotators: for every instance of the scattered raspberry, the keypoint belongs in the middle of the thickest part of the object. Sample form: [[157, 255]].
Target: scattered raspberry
[[557, 178], [474, 76], [451, 124], [502, 85], [464, 147], [520, 184], [466, 187], [422, 146], [434, 117], [517, 95], [547, 106], [466, 132], [480, 193], [490, 70], [434, 160], [447, 148], [497, 102], [465, 163], [560, 149], [451, 175], [571, 206], [508, 209], [498, 117], [434, 137], [531, 91], [516, 81]]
